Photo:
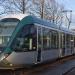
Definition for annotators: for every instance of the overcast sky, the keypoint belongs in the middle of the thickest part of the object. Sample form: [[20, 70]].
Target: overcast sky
[[69, 4]]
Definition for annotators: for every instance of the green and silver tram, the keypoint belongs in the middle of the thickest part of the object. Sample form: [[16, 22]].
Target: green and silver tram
[[35, 41]]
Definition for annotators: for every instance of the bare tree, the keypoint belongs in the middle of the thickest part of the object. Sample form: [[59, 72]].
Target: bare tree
[[45, 9], [38, 7], [22, 6], [48, 9], [15, 6]]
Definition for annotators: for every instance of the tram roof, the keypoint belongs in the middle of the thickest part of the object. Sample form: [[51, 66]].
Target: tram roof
[[16, 16], [32, 20]]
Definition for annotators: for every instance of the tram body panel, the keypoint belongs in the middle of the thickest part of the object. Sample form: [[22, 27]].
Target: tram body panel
[[68, 52], [50, 54], [22, 57]]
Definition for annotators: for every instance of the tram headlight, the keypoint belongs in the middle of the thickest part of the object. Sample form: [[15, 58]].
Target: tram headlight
[[71, 40], [11, 64], [3, 57]]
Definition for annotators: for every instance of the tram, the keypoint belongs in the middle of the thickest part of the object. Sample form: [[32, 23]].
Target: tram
[[7, 26], [35, 41]]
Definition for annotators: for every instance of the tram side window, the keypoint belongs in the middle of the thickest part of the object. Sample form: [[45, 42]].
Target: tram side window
[[68, 40], [63, 46], [54, 39], [26, 39], [50, 39], [74, 41], [46, 39]]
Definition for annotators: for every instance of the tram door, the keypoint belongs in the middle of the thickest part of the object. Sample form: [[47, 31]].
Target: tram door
[[39, 44]]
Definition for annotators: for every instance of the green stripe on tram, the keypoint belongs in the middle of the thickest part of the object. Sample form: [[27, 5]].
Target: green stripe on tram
[[24, 21]]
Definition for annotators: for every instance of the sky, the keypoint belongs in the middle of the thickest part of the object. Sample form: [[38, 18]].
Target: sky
[[68, 4]]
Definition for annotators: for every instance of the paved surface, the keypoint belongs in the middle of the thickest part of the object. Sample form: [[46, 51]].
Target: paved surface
[[72, 72], [59, 68]]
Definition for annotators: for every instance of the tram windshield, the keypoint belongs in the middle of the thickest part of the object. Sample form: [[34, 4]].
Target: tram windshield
[[25, 39]]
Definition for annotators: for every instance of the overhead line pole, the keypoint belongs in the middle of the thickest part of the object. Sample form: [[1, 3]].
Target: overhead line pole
[[70, 18]]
